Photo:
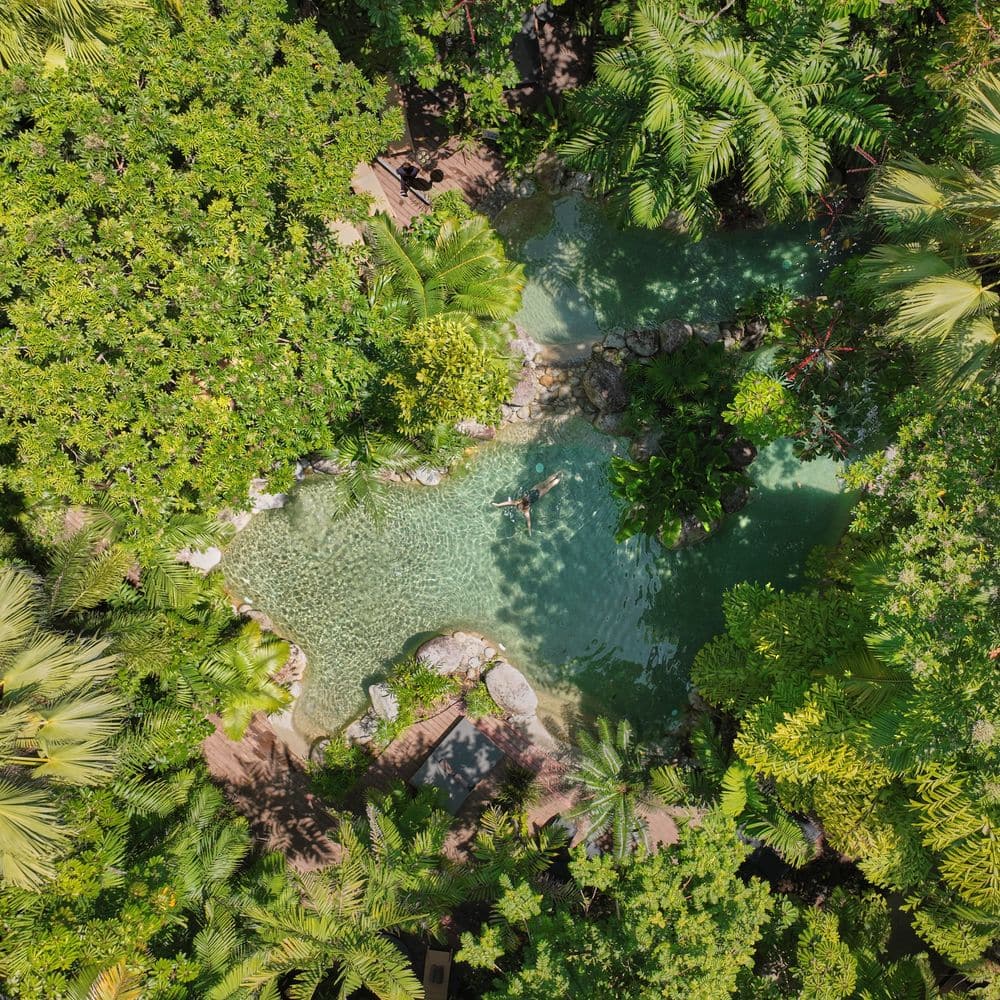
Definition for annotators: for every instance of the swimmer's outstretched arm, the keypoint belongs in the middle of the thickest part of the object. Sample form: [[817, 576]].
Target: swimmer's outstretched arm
[[527, 516], [506, 503]]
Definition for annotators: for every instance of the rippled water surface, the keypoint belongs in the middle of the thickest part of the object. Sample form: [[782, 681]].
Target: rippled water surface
[[595, 625], [586, 275]]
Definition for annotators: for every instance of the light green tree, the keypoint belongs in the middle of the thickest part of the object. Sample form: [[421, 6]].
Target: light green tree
[[457, 266], [613, 778]]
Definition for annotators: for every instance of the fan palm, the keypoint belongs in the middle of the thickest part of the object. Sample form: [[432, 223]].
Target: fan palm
[[941, 266], [60, 30], [681, 106], [57, 718], [462, 269], [614, 780]]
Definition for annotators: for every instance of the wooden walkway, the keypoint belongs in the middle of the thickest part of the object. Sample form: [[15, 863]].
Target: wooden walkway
[[403, 757], [265, 782], [472, 170]]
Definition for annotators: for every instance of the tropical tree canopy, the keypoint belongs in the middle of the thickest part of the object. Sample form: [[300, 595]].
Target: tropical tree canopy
[[939, 269], [457, 266], [685, 104], [175, 315]]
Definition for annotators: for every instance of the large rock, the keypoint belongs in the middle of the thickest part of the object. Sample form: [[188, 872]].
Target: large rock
[[610, 423], [260, 500], [510, 689], [643, 343], [428, 476], [205, 560], [736, 499], [614, 340], [707, 333], [754, 333], [362, 730], [674, 334], [476, 430], [328, 467], [741, 453], [526, 389], [525, 345], [604, 384], [452, 654], [385, 704]]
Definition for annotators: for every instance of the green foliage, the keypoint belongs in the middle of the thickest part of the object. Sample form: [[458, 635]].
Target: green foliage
[[871, 704], [176, 315], [450, 264], [479, 704], [614, 782], [440, 374], [683, 396], [772, 303], [460, 49], [343, 765], [937, 270], [677, 924], [37, 31], [58, 717], [763, 409], [688, 103]]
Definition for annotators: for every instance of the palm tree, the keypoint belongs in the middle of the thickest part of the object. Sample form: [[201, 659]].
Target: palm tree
[[941, 266], [681, 106], [242, 670], [57, 720], [389, 879], [462, 269], [614, 779], [59, 30]]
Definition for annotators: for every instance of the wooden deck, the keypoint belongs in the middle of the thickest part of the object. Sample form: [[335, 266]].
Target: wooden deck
[[403, 757], [265, 782], [472, 170]]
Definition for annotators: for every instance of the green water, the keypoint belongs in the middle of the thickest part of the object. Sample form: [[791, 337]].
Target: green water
[[586, 275], [598, 627]]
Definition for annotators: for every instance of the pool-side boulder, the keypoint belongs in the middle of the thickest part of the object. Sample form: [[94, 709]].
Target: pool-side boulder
[[604, 384], [674, 334], [426, 475], [453, 654], [643, 343], [707, 333], [385, 704], [510, 689]]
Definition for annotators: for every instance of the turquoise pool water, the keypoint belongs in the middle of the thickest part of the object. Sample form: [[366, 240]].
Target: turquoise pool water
[[598, 627], [586, 275]]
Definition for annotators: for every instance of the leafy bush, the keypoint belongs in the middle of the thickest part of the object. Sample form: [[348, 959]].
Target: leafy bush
[[343, 765], [683, 395], [479, 704], [771, 303], [763, 409], [440, 374], [178, 318]]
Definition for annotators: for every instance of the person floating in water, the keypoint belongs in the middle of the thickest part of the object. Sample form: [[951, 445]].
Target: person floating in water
[[524, 502]]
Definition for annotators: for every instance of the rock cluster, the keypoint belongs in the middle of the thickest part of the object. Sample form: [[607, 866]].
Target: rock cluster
[[464, 653]]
